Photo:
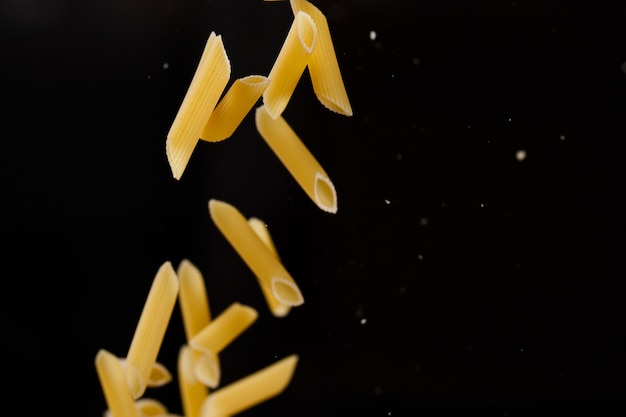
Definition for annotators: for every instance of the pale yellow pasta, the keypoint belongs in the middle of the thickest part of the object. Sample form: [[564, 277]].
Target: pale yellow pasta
[[294, 155], [233, 107], [150, 330], [192, 299], [251, 390], [268, 270], [192, 391], [290, 64], [113, 382], [207, 85], [323, 66], [277, 308], [211, 340], [159, 375]]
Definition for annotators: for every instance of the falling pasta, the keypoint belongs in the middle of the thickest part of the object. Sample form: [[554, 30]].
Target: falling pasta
[[298, 160], [206, 87], [290, 63]]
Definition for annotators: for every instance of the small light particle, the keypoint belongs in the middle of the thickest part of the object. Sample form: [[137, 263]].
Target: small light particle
[[393, 75], [521, 350], [423, 221], [363, 321], [416, 61], [443, 204], [420, 257], [520, 155], [372, 35], [482, 205], [399, 157], [562, 137], [166, 65], [387, 202]]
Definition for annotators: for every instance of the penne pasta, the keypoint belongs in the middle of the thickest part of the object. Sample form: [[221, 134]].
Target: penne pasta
[[277, 308], [265, 266], [207, 85], [150, 330], [323, 67], [113, 382], [294, 155], [233, 107], [211, 340], [251, 390], [290, 63], [192, 299], [192, 391]]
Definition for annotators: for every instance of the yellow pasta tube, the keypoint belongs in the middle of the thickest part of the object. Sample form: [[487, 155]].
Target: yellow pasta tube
[[113, 382], [233, 107], [207, 85], [192, 299], [192, 391], [259, 258], [150, 330], [277, 308], [251, 390], [297, 159], [323, 66], [290, 63], [216, 336]]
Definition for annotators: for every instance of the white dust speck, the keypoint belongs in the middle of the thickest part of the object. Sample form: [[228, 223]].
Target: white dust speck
[[562, 137], [443, 204], [521, 350], [372, 35], [166, 65], [469, 126], [510, 119], [420, 257], [482, 205], [520, 155], [423, 221], [393, 75], [387, 202], [363, 321]]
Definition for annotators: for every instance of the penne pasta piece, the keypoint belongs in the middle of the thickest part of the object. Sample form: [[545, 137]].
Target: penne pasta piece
[[265, 266], [159, 375], [216, 336], [290, 63], [207, 85], [150, 330], [251, 390], [297, 159], [192, 391], [192, 299], [323, 67], [233, 107], [149, 407], [277, 308], [113, 382], [260, 228]]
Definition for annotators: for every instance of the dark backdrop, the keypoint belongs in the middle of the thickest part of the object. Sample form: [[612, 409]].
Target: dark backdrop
[[454, 278]]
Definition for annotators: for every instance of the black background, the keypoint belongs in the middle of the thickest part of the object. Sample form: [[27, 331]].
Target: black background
[[488, 285]]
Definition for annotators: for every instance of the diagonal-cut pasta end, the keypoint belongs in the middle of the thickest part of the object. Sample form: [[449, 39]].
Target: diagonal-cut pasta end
[[286, 292], [325, 193], [159, 375], [178, 155], [341, 107], [207, 369], [148, 407]]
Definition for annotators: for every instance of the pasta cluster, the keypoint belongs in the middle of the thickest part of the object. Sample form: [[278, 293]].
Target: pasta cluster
[[210, 114]]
